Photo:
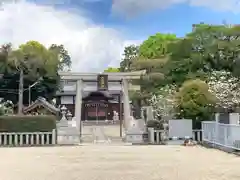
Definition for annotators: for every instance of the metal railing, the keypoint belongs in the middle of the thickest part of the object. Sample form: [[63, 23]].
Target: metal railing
[[27, 138], [223, 135]]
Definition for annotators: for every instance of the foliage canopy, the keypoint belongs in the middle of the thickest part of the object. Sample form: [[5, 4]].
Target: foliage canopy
[[188, 63]]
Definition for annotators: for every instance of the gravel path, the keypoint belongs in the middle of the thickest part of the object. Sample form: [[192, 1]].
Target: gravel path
[[99, 162]]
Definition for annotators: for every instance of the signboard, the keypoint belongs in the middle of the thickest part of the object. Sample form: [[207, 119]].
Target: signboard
[[102, 82]]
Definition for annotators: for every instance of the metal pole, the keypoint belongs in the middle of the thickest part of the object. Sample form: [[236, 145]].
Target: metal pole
[[29, 90], [29, 95], [97, 113], [20, 93]]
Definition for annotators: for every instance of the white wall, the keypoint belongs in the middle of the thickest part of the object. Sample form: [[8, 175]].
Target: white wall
[[68, 86], [66, 99]]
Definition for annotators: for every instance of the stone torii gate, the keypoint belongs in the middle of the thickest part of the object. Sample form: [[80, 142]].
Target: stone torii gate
[[116, 81]]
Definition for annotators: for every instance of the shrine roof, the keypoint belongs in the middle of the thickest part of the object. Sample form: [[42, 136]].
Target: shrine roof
[[104, 94], [41, 102]]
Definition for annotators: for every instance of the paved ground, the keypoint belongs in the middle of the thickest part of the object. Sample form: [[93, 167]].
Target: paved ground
[[118, 163]]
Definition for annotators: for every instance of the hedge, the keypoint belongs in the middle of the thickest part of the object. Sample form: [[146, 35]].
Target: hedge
[[41, 123], [154, 124]]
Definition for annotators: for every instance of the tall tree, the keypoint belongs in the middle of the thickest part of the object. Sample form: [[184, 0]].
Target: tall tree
[[153, 55], [5, 49], [36, 61], [205, 49], [156, 46], [64, 59], [129, 55]]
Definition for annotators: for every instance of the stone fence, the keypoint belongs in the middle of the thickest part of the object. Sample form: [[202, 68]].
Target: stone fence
[[28, 138], [157, 136]]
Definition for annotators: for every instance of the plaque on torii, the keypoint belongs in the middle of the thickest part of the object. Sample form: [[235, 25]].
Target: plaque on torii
[[102, 82]]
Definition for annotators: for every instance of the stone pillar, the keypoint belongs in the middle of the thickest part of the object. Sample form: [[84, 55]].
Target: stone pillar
[[126, 104], [78, 103], [151, 135], [150, 115], [234, 126], [234, 118]]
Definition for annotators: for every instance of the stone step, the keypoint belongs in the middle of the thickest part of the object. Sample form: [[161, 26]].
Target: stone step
[[87, 139], [87, 130], [101, 134], [100, 123], [115, 139], [102, 141]]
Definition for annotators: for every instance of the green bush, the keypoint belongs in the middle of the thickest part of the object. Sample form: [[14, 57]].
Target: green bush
[[2, 111], [23, 123], [154, 124], [195, 101]]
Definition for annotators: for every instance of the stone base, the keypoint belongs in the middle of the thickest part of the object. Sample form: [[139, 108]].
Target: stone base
[[135, 132], [68, 136], [68, 140], [136, 138]]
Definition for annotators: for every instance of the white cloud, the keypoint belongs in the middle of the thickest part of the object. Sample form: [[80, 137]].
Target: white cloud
[[92, 47], [126, 43], [134, 7]]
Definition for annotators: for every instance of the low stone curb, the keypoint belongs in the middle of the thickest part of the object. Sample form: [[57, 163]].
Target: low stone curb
[[226, 150]]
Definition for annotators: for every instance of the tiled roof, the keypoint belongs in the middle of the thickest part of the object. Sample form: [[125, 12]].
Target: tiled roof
[[44, 103]]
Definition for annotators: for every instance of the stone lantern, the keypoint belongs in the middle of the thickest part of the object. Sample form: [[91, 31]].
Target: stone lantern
[[64, 112], [165, 131], [69, 116]]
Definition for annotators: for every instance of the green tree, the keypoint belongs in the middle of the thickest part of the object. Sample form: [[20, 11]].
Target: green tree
[[204, 50], [4, 52], [169, 60], [153, 55], [129, 55], [111, 69], [64, 59], [36, 61], [194, 101], [156, 46], [218, 45]]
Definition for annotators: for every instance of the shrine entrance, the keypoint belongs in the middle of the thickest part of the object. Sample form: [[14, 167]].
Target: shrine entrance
[[96, 111], [97, 118]]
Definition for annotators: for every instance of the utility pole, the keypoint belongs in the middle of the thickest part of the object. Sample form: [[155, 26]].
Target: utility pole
[[29, 95], [20, 93], [29, 90]]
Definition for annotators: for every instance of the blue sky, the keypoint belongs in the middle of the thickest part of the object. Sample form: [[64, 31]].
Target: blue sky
[[176, 18], [95, 32]]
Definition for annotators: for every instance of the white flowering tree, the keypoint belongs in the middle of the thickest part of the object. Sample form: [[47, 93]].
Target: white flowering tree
[[226, 89], [6, 107], [163, 102]]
